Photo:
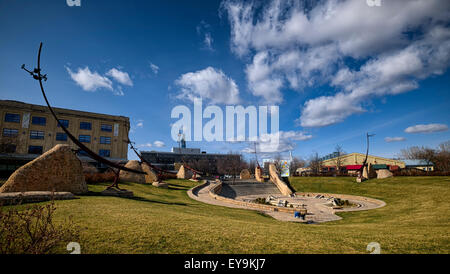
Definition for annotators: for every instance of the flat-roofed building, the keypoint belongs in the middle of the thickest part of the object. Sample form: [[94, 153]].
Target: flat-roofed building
[[28, 130], [167, 160], [353, 161]]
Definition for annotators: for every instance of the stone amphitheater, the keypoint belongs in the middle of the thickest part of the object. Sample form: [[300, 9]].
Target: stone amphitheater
[[242, 194]]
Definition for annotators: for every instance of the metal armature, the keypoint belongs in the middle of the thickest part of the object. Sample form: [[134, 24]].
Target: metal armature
[[36, 74], [367, 152]]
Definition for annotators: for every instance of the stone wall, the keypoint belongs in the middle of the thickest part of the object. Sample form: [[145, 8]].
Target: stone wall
[[217, 188], [56, 170]]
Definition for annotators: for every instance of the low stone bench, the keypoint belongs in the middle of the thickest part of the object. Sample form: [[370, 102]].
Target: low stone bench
[[13, 198]]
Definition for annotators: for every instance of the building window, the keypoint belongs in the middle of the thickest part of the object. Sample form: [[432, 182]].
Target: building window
[[85, 138], [60, 136], [41, 121], [105, 127], [82, 153], [35, 149], [85, 125], [10, 132], [12, 118], [36, 134], [65, 123], [105, 140], [104, 152], [8, 148]]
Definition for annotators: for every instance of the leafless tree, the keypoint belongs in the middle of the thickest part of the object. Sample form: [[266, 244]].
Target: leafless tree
[[443, 157], [338, 160], [315, 163], [252, 166], [231, 165], [420, 153], [295, 164]]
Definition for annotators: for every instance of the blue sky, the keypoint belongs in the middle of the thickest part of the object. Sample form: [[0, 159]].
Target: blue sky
[[336, 69]]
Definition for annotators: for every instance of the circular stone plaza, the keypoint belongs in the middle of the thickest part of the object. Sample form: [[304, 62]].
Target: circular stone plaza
[[248, 194]]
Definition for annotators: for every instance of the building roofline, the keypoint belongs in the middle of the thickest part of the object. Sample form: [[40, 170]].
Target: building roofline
[[62, 111], [348, 154]]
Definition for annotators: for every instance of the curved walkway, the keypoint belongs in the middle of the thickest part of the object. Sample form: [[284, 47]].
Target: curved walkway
[[317, 211]]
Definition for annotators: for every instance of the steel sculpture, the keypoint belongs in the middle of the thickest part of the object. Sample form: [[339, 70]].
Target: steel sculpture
[[361, 169], [36, 74]]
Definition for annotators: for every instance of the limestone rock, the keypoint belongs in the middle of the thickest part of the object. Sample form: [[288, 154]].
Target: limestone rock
[[275, 178], [258, 175], [13, 198], [245, 174], [184, 173], [384, 173], [56, 170], [160, 184], [126, 176], [117, 192], [150, 176]]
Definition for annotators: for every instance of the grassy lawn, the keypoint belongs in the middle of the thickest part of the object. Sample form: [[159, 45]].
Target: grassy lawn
[[415, 220]]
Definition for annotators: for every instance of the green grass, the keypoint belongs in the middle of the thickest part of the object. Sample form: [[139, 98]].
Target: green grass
[[415, 220]]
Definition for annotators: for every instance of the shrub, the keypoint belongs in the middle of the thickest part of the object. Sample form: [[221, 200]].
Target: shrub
[[32, 230]]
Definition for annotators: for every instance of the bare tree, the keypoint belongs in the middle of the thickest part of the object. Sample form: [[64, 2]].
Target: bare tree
[[315, 163], [295, 164], [231, 165], [252, 166], [420, 153], [442, 160], [277, 162], [338, 159]]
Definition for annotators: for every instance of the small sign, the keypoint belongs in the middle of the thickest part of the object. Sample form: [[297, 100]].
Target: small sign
[[26, 120], [285, 165], [116, 129]]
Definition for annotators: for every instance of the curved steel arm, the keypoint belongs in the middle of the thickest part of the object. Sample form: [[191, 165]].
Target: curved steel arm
[[93, 155]]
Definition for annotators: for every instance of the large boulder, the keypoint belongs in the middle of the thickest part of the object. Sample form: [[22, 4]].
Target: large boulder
[[258, 175], [245, 174], [126, 176], [184, 173], [384, 173], [56, 170], [150, 176]]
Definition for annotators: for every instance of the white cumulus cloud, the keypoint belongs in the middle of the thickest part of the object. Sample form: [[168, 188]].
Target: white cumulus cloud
[[159, 144], [88, 80], [209, 83], [426, 128], [120, 76], [300, 44]]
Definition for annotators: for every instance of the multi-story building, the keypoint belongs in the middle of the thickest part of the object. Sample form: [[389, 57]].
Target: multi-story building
[[168, 160], [29, 130]]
